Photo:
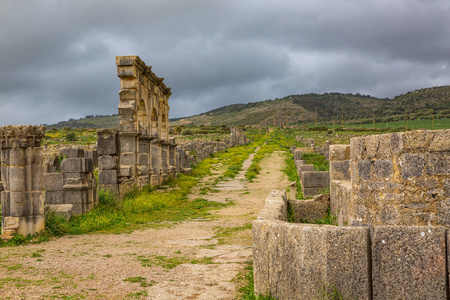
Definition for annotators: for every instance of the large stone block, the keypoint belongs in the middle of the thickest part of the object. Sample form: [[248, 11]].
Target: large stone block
[[308, 210], [107, 162], [295, 261], [340, 170], [441, 141], [339, 152], [341, 201], [315, 179], [17, 157], [77, 165], [275, 207], [107, 147], [409, 262], [16, 181], [56, 197], [53, 182], [298, 154], [107, 177], [72, 152], [128, 158], [412, 165]]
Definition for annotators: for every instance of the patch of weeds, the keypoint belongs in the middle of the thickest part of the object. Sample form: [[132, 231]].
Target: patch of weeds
[[328, 219], [37, 253], [171, 262], [14, 267], [138, 295], [328, 292], [224, 234], [55, 224], [141, 280], [247, 290], [107, 255]]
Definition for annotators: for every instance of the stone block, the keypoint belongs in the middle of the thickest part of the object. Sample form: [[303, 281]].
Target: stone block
[[17, 204], [127, 94], [365, 169], [53, 182], [143, 159], [107, 162], [107, 134], [437, 163], [275, 207], [127, 158], [64, 210], [76, 179], [5, 203], [441, 141], [72, 152], [11, 222], [106, 147], [307, 210], [56, 197], [340, 170], [128, 144], [37, 198], [339, 152], [341, 201], [412, 165], [383, 169], [93, 154], [16, 179], [77, 165], [107, 177], [17, 156], [315, 179], [409, 262], [298, 154], [76, 197], [126, 171], [396, 142], [304, 168]]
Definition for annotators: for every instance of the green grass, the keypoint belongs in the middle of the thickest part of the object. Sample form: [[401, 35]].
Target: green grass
[[319, 161], [248, 289]]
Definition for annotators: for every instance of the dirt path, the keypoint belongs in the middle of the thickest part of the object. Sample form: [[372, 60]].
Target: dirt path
[[196, 259]]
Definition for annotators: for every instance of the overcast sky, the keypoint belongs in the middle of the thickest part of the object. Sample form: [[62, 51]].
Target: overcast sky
[[57, 57]]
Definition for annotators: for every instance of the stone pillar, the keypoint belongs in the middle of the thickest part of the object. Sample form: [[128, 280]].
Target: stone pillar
[[144, 165], [173, 159], [156, 161], [22, 195], [108, 161], [164, 161], [128, 146]]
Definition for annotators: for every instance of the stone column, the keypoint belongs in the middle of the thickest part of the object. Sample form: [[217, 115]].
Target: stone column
[[128, 149], [22, 197], [144, 164], [108, 160], [164, 161], [156, 161]]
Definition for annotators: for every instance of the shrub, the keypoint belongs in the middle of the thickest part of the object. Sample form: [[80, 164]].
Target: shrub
[[71, 136], [186, 131]]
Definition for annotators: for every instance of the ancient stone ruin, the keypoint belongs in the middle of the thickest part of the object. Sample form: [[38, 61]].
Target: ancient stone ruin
[[141, 152], [393, 189], [21, 183]]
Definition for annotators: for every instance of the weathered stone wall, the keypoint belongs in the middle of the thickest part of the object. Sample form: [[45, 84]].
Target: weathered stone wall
[[71, 189], [21, 184], [295, 261], [401, 178], [340, 184]]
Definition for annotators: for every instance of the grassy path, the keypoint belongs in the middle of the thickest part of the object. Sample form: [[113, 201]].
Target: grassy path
[[195, 259]]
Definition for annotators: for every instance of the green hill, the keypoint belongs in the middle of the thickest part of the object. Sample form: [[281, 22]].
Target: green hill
[[307, 109]]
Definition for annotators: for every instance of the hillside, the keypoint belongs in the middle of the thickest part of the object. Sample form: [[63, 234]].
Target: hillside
[[305, 109]]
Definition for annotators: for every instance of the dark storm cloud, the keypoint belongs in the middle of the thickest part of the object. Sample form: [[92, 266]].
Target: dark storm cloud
[[57, 56]]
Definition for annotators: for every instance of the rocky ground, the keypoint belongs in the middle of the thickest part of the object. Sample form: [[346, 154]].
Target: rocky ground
[[195, 259]]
